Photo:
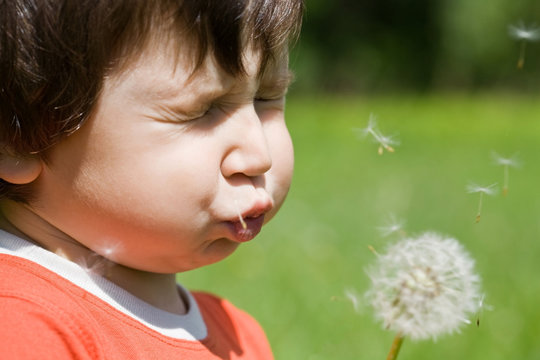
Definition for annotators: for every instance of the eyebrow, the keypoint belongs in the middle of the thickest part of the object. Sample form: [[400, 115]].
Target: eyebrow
[[280, 82], [273, 84]]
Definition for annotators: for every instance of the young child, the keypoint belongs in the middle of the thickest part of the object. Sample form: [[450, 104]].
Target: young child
[[138, 139]]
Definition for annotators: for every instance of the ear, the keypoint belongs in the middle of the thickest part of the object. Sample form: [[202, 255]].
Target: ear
[[16, 169]]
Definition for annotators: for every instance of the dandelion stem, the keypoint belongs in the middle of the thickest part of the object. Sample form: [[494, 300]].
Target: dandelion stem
[[396, 345], [505, 185], [521, 60], [479, 207]]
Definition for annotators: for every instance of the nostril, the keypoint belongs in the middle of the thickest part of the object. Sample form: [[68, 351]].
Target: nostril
[[241, 162]]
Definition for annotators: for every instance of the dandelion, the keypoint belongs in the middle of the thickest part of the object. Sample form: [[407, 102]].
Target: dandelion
[[524, 34], [423, 288], [385, 142], [392, 226], [506, 163], [488, 190]]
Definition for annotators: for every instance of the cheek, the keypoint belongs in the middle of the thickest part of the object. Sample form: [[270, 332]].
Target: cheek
[[282, 161], [285, 157], [153, 181]]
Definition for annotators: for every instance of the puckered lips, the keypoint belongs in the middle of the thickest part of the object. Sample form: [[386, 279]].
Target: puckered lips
[[251, 224]]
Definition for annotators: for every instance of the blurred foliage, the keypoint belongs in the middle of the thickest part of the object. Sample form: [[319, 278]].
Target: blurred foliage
[[414, 45]]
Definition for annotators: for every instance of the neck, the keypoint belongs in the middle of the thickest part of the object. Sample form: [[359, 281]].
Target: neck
[[159, 290]]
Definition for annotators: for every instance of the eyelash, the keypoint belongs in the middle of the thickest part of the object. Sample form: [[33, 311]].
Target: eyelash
[[268, 99], [213, 106], [261, 99]]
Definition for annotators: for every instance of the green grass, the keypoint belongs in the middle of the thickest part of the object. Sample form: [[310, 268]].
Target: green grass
[[292, 278]]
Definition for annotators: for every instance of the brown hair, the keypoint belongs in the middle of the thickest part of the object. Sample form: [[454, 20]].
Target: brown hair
[[54, 54]]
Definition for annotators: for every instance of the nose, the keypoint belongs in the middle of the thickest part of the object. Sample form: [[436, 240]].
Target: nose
[[247, 149]]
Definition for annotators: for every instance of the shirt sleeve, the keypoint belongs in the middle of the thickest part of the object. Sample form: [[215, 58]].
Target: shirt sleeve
[[32, 329]]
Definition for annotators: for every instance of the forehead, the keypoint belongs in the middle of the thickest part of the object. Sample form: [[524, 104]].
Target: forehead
[[194, 39], [163, 68]]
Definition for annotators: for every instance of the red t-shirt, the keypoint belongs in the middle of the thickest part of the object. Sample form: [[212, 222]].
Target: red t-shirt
[[45, 316]]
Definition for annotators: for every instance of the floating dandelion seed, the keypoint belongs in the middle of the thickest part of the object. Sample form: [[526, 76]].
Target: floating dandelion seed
[[481, 307], [392, 226], [354, 298], [423, 288], [385, 142], [506, 163], [488, 190], [240, 218], [524, 34], [371, 128]]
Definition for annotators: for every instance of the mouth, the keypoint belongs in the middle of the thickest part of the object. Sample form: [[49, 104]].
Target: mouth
[[248, 225], [247, 229]]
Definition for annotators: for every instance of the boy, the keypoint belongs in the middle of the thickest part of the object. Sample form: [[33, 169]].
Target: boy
[[138, 139]]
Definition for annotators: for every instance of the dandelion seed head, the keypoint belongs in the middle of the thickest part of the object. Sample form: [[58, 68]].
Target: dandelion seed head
[[424, 287], [488, 190], [524, 32]]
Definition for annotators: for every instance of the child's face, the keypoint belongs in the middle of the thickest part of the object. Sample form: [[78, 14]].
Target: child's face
[[157, 178]]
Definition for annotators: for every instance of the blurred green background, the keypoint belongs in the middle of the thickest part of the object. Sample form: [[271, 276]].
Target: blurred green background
[[373, 46], [441, 75]]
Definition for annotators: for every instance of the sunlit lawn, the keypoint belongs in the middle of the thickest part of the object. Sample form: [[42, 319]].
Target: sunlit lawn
[[293, 277]]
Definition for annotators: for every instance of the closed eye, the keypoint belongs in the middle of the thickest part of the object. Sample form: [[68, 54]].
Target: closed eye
[[268, 98], [178, 115]]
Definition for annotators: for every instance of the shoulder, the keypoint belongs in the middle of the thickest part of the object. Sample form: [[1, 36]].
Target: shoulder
[[38, 317], [233, 326], [29, 281], [218, 310]]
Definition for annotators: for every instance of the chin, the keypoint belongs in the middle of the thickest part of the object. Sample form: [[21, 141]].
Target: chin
[[220, 249], [216, 251]]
